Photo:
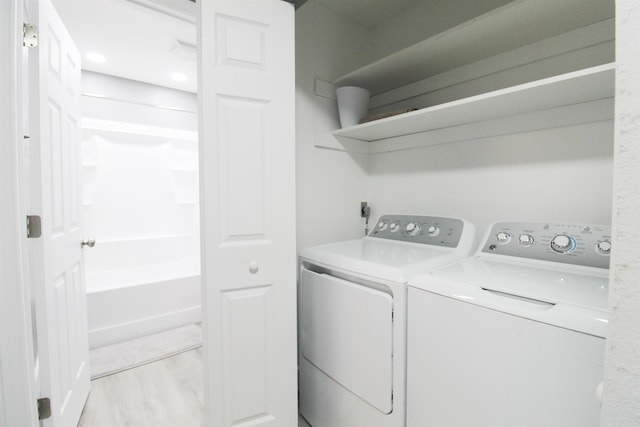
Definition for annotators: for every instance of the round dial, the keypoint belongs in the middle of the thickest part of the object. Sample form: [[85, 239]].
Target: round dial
[[604, 247], [526, 239], [412, 228], [382, 226], [503, 237], [563, 244], [394, 227], [433, 230]]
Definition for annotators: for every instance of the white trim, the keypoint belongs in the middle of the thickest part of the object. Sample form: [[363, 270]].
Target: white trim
[[114, 334], [137, 129], [17, 378]]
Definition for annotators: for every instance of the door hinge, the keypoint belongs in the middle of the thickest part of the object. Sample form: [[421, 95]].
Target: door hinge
[[44, 408], [29, 35], [34, 226]]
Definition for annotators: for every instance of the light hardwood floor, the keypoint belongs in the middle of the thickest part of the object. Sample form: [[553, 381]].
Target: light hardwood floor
[[168, 392], [165, 393]]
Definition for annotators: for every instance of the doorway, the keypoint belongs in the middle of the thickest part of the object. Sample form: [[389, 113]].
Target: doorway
[[139, 181], [260, 383]]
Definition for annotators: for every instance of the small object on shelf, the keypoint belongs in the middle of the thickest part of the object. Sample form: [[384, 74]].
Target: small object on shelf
[[384, 115], [353, 103]]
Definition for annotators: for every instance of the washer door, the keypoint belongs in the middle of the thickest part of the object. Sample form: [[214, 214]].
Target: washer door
[[347, 332]]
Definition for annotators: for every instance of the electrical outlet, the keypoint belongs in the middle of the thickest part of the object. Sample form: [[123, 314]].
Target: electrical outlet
[[365, 210]]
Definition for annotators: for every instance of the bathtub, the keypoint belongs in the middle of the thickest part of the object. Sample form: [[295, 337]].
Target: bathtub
[[137, 287]]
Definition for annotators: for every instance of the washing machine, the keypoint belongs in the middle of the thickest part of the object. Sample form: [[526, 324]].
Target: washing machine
[[515, 335], [352, 314]]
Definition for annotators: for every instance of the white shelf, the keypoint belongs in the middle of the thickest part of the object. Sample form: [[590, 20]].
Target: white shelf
[[511, 26], [573, 98]]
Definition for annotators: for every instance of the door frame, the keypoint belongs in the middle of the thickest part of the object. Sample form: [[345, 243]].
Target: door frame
[[18, 393]]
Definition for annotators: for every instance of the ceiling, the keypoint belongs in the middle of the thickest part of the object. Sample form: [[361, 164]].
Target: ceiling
[[149, 40], [145, 40]]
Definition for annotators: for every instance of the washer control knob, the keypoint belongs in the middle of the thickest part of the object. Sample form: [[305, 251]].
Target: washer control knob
[[503, 237], [563, 244], [412, 229], [393, 227], [382, 226], [526, 239], [604, 247], [433, 230]]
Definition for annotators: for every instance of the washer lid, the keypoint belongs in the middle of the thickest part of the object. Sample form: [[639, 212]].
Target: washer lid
[[382, 259], [571, 297]]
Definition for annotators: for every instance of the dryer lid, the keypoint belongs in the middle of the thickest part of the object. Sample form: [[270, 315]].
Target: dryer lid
[[381, 259]]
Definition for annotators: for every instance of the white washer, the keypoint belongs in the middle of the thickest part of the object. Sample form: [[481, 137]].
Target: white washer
[[514, 336], [353, 318]]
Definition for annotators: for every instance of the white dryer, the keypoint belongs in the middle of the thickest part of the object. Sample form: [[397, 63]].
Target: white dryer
[[514, 336], [352, 310]]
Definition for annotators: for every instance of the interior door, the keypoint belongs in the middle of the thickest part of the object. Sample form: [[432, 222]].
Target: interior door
[[56, 257], [247, 157]]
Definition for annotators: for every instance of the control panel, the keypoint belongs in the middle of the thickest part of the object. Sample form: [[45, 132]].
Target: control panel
[[430, 230], [588, 245]]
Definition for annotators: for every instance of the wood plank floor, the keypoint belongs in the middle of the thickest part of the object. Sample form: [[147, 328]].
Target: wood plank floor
[[165, 393], [168, 392]]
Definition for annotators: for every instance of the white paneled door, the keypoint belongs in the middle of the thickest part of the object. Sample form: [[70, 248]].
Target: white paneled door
[[247, 157], [57, 272]]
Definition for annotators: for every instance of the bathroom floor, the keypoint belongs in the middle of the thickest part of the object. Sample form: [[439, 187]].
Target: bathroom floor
[[114, 358], [168, 392], [164, 393]]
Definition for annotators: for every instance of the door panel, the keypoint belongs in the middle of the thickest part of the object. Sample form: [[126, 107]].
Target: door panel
[[247, 327], [242, 168], [347, 332], [248, 211], [57, 256]]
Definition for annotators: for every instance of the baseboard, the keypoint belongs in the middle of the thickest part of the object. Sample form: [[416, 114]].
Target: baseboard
[[145, 326]]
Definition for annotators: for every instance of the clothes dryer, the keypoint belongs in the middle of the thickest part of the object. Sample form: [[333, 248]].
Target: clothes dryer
[[514, 336], [353, 317]]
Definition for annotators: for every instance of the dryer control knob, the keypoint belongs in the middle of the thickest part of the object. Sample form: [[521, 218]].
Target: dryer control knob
[[563, 244], [604, 247], [503, 237], [526, 239], [433, 231], [382, 226], [394, 227], [412, 229]]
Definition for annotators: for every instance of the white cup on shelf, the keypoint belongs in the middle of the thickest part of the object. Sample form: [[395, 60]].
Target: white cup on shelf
[[353, 103]]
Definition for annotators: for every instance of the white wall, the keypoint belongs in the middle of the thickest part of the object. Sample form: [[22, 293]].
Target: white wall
[[559, 174], [139, 173], [621, 406], [140, 203], [113, 98], [330, 184]]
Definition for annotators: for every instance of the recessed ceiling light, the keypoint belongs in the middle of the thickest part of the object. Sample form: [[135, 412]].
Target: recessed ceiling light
[[95, 57], [179, 77]]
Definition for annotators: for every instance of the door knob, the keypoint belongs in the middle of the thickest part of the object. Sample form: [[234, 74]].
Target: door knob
[[253, 267], [91, 243]]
